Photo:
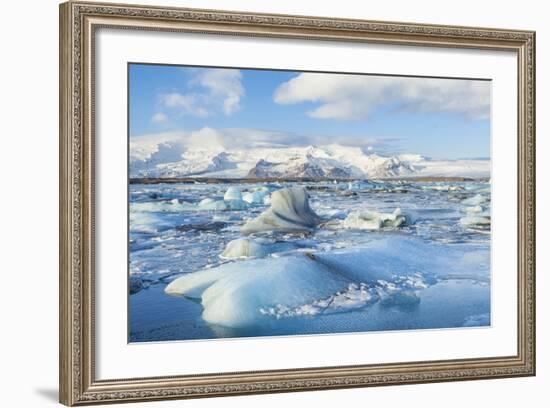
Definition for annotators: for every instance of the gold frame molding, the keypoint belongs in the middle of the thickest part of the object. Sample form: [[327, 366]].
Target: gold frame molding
[[78, 22]]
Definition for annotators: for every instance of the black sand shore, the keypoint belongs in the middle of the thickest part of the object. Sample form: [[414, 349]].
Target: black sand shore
[[214, 180]]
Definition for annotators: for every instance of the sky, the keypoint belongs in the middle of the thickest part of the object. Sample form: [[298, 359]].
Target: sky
[[434, 117]]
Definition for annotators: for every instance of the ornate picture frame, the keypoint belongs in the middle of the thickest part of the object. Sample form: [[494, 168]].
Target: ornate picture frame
[[79, 22]]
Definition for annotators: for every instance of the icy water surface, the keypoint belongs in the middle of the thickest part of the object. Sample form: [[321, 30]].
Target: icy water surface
[[430, 271]]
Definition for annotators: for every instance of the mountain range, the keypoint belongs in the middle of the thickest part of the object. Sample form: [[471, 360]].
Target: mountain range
[[334, 161]]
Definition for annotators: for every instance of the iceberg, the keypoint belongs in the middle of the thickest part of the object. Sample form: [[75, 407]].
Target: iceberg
[[209, 204], [472, 209], [476, 200], [363, 185], [147, 222], [257, 197], [476, 220], [243, 248], [289, 212], [233, 199], [173, 205], [371, 220], [253, 291], [233, 193], [236, 205], [176, 206], [233, 294], [442, 187]]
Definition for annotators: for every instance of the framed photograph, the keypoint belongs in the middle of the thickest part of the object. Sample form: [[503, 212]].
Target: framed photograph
[[256, 203]]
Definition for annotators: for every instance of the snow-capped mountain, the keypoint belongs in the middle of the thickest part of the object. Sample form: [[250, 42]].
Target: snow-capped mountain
[[172, 159], [332, 162]]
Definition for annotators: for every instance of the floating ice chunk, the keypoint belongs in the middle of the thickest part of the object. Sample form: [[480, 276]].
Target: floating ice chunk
[[240, 294], [233, 193], [147, 222], [233, 294], [364, 185], [472, 209], [256, 197], [289, 212], [236, 205], [475, 220], [243, 248], [233, 199], [209, 204], [371, 220], [442, 187], [162, 206], [354, 297], [478, 199], [478, 188]]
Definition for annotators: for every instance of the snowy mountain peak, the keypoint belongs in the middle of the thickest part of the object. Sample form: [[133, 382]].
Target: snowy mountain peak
[[173, 159]]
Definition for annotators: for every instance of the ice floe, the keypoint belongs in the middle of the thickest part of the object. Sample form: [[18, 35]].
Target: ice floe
[[353, 297], [146, 222], [372, 220], [245, 293], [233, 193], [233, 294], [442, 187], [289, 212], [257, 196], [210, 204], [478, 199], [472, 209], [242, 248], [476, 220], [173, 205], [360, 185]]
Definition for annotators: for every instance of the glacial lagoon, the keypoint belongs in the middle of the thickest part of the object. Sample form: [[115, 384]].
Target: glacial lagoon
[[224, 260]]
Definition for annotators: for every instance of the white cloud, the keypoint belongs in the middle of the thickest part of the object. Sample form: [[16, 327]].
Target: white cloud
[[224, 84], [213, 90], [206, 139], [211, 139], [185, 103], [159, 117], [349, 97]]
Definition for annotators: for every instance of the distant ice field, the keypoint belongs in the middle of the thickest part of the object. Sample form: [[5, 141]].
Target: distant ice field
[[240, 260]]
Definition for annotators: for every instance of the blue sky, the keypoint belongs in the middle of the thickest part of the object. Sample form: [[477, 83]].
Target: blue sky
[[439, 118]]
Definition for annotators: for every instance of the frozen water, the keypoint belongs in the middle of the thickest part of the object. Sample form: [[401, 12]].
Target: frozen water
[[371, 220], [476, 200], [476, 220], [238, 294], [233, 193], [431, 271], [243, 248], [258, 196], [289, 212], [209, 204], [233, 294], [473, 209]]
